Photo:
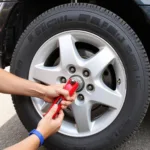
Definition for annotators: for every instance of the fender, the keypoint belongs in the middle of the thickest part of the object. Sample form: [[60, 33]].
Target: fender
[[5, 10], [145, 6], [142, 2]]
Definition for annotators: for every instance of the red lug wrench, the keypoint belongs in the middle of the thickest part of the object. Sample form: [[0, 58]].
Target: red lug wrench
[[71, 86]]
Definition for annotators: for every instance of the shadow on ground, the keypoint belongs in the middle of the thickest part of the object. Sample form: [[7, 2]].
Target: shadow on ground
[[13, 132], [141, 140]]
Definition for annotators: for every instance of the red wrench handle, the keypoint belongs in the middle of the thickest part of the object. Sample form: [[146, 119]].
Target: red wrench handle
[[71, 86]]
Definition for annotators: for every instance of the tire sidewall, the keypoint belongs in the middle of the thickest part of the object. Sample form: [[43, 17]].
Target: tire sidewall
[[124, 44]]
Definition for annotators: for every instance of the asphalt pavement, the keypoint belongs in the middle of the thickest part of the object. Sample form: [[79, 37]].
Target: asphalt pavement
[[12, 130]]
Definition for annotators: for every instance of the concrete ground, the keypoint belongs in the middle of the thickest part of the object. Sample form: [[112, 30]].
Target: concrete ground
[[11, 129]]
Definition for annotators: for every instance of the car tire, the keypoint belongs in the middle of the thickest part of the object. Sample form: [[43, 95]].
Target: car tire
[[121, 37]]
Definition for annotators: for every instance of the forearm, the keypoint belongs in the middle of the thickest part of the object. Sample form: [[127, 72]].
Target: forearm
[[11, 84], [30, 143]]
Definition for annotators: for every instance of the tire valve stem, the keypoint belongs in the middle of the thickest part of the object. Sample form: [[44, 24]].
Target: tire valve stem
[[119, 81]]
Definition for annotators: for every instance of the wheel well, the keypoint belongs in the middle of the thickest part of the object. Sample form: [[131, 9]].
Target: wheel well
[[21, 16], [126, 9], [133, 15]]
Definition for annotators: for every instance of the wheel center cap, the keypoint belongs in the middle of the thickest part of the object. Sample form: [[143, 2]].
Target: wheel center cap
[[80, 81]]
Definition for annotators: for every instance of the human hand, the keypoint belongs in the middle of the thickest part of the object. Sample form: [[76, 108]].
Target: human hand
[[48, 126], [53, 91]]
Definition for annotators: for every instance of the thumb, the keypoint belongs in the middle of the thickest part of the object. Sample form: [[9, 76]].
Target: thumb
[[52, 111]]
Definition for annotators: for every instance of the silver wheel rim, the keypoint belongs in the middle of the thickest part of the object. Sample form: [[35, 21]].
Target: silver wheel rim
[[102, 94]]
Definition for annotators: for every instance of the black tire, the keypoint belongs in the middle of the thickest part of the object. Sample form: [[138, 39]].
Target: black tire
[[121, 37]]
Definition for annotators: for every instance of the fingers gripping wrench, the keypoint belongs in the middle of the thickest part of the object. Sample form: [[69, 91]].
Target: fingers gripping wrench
[[71, 86]]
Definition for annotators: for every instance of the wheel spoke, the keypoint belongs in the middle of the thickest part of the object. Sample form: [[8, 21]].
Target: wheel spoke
[[104, 95], [47, 75], [100, 61], [44, 106], [82, 115], [68, 51]]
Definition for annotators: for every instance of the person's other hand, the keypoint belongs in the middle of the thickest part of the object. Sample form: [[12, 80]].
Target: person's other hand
[[54, 91], [48, 126]]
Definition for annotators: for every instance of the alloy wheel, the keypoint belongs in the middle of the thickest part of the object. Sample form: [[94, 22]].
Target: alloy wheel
[[91, 61]]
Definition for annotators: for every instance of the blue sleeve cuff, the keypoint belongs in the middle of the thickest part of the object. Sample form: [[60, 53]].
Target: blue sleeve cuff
[[39, 135]]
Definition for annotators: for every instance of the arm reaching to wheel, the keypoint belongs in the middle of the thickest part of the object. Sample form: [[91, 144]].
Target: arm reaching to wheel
[[46, 127], [11, 84]]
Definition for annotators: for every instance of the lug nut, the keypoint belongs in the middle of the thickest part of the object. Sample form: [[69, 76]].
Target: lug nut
[[119, 81], [63, 80], [86, 73], [90, 87], [81, 97], [72, 69]]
